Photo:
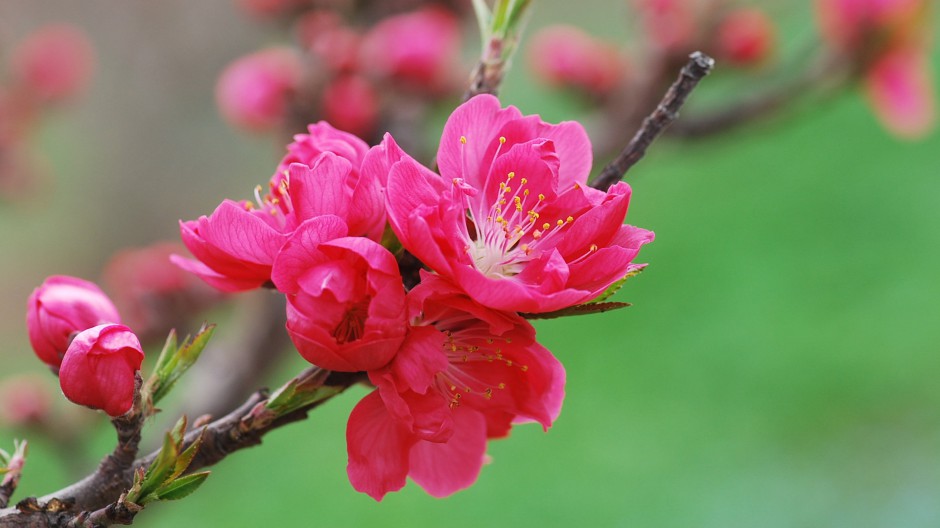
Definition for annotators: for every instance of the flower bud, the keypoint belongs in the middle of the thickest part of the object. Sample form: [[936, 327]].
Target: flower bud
[[745, 37], [99, 368], [253, 91], [53, 63], [24, 400], [567, 56], [351, 104], [421, 49], [60, 308]]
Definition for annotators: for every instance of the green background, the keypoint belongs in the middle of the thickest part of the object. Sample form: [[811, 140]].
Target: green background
[[779, 365]]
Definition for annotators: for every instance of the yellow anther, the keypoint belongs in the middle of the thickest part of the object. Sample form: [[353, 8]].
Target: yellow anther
[[524, 368], [463, 140], [525, 192], [488, 393], [593, 248], [560, 223], [546, 226], [524, 181], [502, 140], [569, 219], [511, 175], [541, 197], [502, 385]]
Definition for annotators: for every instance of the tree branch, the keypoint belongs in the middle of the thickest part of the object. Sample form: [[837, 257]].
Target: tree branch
[[666, 112], [238, 430]]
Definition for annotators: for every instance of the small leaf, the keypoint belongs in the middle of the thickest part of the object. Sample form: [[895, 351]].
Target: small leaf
[[484, 18], [615, 287], [179, 362], [186, 457], [181, 487], [161, 468], [581, 309], [169, 349]]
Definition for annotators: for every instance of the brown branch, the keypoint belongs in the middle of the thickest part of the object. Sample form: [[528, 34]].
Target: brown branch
[[666, 112], [828, 72], [237, 430]]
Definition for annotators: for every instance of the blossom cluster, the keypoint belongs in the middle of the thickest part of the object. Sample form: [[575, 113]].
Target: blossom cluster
[[341, 73], [507, 225]]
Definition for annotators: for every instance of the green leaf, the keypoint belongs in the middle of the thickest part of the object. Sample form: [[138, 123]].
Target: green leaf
[[484, 18], [169, 350], [172, 368], [158, 472], [581, 309], [181, 487], [186, 457], [615, 287]]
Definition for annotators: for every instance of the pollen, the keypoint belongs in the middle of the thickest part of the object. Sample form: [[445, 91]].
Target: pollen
[[511, 175], [546, 226], [463, 140], [502, 139]]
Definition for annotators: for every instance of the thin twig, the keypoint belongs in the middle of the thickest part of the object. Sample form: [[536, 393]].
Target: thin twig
[[666, 112], [828, 72]]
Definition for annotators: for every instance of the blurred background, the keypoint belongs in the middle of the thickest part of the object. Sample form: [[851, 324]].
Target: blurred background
[[778, 366]]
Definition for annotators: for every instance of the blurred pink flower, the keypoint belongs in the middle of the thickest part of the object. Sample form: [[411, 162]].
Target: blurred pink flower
[[511, 219], [53, 63], [745, 37], [420, 48], [345, 297], [465, 374], [351, 104], [674, 26], [254, 91], [99, 368], [24, 400], [567, 56], [154, 294], [323, 34], [901, 91], [60, 308], [889, 42]]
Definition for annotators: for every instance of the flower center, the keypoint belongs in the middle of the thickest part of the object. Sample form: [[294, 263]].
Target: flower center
[[353, 324]]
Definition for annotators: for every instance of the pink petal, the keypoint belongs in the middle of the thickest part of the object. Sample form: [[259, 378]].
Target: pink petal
[[900, 89], [321, 188], [478, 120], [292, 261], [378, 447], [443, 468]]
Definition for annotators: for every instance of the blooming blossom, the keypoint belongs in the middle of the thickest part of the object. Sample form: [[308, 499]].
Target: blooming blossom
[[345, 297], [464, 375], [511, 219], [61, 307], [100, 366], [236, 245]]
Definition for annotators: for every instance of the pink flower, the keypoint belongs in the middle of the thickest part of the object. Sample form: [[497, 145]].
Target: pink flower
[[236, 245], [345, 297], [889, 42], [100, 367], [60, 308], [511, 219], [421, 48], [350, 103], [567, 56], [745, 37], [464, 375], [253, 92], [53, 63]]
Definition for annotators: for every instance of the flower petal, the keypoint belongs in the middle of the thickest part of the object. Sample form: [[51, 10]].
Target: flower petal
[[378, 447]]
